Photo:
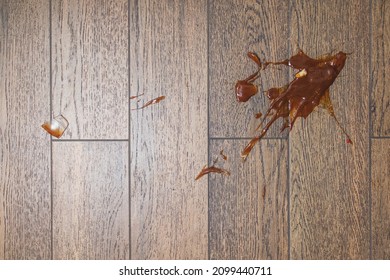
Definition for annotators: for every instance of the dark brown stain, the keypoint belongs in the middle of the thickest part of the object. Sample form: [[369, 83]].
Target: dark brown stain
[[309, 89]]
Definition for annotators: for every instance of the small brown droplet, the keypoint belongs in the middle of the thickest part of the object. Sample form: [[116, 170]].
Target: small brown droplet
[[223, 155], [258, 115]]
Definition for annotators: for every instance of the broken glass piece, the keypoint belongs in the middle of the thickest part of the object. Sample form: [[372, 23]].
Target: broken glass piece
[[56, 126]]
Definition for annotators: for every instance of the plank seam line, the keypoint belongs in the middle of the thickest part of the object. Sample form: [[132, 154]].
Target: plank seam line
[[370, 133], [378, 137], [208, 124], [129, 123], [51, 137], [247, 138], [90, 140], [288, 148]]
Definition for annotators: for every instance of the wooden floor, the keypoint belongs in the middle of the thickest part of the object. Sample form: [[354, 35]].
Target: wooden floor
[[120, 183]]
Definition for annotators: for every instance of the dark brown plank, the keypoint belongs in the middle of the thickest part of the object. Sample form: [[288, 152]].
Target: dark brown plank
[[380, 53], [90, 200], [90, 68], [24, 146], [329, 178], [237, 27], [249, 209], [168, 56], [380, 170]]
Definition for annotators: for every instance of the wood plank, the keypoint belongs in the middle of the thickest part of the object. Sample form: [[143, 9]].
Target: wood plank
[[90, 67], [380, 53], [249, 209], [380, 170], [329, 178], [168, 56], [24, 146], [236, 27], [90, 200]]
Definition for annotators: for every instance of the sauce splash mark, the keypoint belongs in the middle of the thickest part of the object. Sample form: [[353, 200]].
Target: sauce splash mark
[[309, 89], [224, 157], [213, 169], [245, 89], [136, 96], [150, 102]]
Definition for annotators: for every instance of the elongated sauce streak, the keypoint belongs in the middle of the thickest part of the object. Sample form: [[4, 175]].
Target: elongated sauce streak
[[136, 96], [212, 169], [150, 102]]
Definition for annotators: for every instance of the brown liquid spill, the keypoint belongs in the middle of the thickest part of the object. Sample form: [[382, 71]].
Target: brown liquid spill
[[54, 132], [309, 89], [212, 169], [153, 101]]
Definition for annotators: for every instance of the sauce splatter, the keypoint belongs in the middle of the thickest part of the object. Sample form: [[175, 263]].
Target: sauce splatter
[[224, 157], [309, 89], [136, 96], [245, 89], [212, 169], [150, 102]]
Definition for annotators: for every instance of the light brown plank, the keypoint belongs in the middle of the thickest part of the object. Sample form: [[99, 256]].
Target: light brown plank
[[249, 208], [237, 27], [380, 107], [168, 56], [90, 68], [329, 178], [24, 146], [90, 200], [380, 170]]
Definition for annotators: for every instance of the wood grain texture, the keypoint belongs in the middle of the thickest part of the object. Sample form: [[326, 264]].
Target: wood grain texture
[[380, 53], [24, 146], [249, 209], [237, 27], [380, 176], [329, 178], [90, 200], [168, 56], [90, 67]]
